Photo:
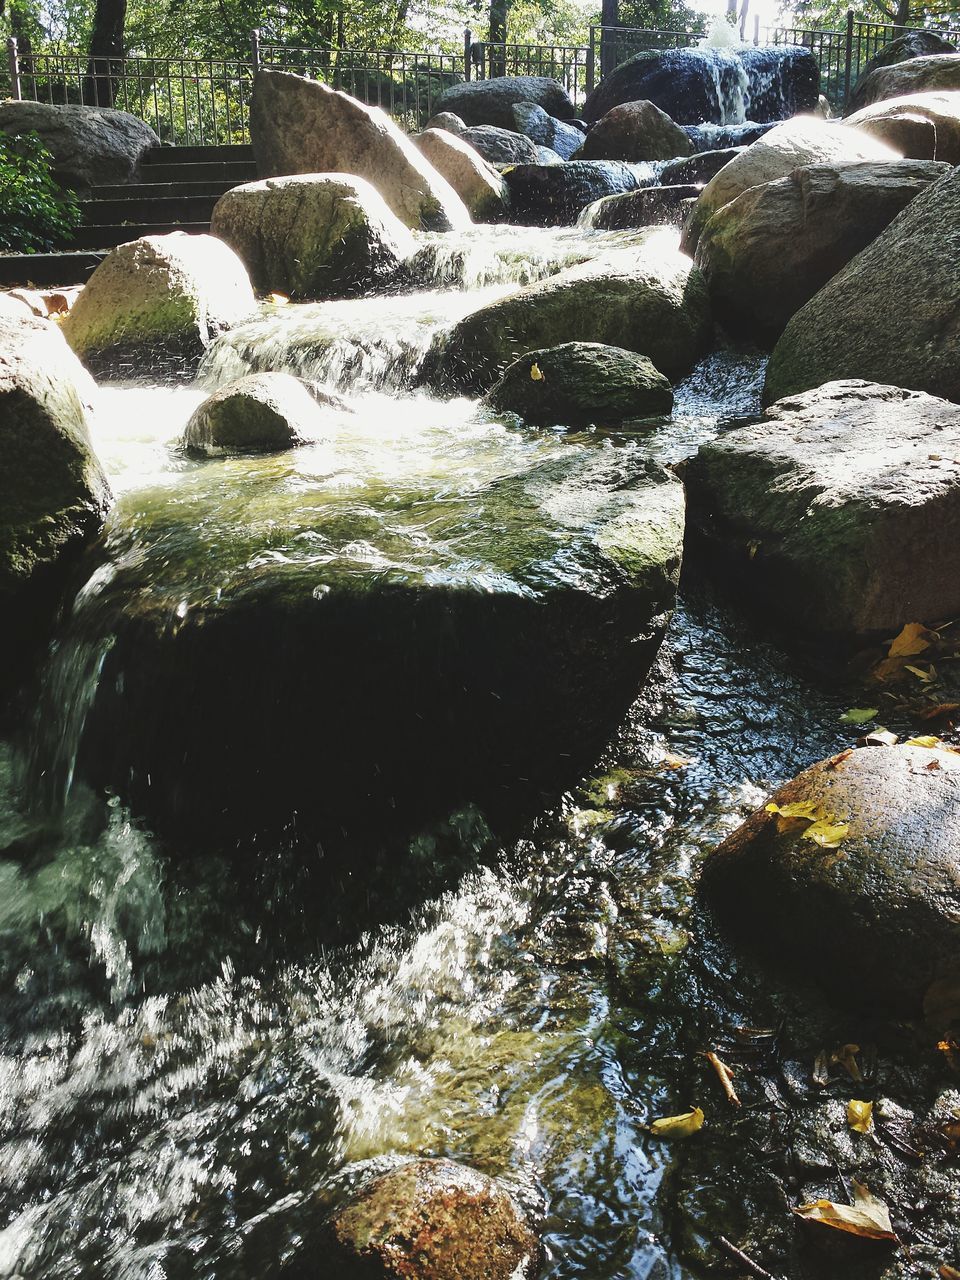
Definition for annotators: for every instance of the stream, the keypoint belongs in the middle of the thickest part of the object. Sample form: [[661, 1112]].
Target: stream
[[192, 1070]]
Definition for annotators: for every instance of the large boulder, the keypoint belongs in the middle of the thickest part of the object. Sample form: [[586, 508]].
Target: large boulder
[[891, 315], [915, 75], [646, 297], [162, 298], [447, 121], [319, 235], [553, 195], [302, 126], [90, 146], [912, 44], [874, 914], [501, 146], [545, 130], [838, 508], [923, 126], [649, 207], [805, 140], [430, 1219], [718, 137], [477, 183], [260, 413], [768, 251], [635, 131], [698, 168], [491, 101], [579, 383], [721, 86], [53, 494]]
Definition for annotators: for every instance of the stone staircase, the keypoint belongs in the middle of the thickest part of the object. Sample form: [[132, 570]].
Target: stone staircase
[[178, 188]]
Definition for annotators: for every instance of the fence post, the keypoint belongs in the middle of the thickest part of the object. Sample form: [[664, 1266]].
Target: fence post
[[848, 63], [756, 29], [13, 62], [467, 53], [591, 61], [255, 49]]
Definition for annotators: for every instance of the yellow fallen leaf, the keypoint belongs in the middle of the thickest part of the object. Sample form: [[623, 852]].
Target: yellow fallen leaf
[[868, 1217], [799, 809], [681, 1126], [925, 676], [826, 833], [924, 740], [913, 639], [859, 1115], [671, 761], [535, 373], [948, 1273]]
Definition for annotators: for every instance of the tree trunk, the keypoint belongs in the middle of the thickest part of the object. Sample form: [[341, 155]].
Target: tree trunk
[[106, 48], [498, 36], [903, 13]]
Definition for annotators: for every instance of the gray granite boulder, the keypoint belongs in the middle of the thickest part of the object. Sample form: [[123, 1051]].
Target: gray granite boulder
[[491, 101], [90, 145], [501, 146], [545, 130]]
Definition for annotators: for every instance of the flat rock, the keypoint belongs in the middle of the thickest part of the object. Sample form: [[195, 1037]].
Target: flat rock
[[89, 145], [876, 919], [491, 101], [635, 131], [555, 195], [839, 508], [476, 182], [261, 413]]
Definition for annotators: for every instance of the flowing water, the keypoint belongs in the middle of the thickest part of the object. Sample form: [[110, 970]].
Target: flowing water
[[188, 1077]]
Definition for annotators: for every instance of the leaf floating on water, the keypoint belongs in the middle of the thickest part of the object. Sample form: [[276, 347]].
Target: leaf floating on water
[[536, 374], [859, 1115], [859, 715], [913, 639], [827, 834], [671, 761], [868, 1217], [681, 1126], [725, 1076], [948, 1273]]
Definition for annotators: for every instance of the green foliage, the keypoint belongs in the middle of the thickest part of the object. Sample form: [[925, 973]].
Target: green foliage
[[35, 213]]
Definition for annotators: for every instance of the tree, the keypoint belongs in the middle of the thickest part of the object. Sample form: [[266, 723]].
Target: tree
[[105, 49]]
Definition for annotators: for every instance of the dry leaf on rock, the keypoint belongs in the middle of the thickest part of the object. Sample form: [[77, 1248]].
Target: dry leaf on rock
[[913, 639], [681, 1126], [536, 374], [827, 833], [859, 1115], [868, 1217]]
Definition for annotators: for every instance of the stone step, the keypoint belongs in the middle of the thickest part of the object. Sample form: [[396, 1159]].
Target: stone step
[[232, 172], [45, 269], [198, 155], [158, 190], [149, 209], [109, 235]]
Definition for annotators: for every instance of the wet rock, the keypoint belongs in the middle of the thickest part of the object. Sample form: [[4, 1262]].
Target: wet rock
[[698, 168], [579, 383], [837, 508], [647, 296], [553, 196], [261, 413], [876, 919], [427, 1220], [912, 44], [719, 137], [501, 146], [545, 155], [163, 297], [650, 207], [319, 235], [89, 145], [914, 75], [635, 131], [807, 140], [923, 126], [491, 101], [890, 315], [302, 126], [477, 183], [768, 251], [447, 121], [543, 129]]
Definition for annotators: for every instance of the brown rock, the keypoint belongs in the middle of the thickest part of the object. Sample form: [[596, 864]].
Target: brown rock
[[477, 183], [635, 131], [923, 126]]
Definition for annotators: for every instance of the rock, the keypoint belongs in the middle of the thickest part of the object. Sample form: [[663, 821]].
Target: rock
[[823, 109], [890, 315], [447, 121], [428, 1220], [768, 251], [923, 126], [719, 137], [694, 86], [13, 308], [699, 168], [806, 140], [877, 919], [53, 494], [491, 101], [912, 44], [580, 383], [320, 235], [836, 508], [90, 145], [501, 146], [303, 126], [165, 297], [635, 131], [650, 207], [915, 75], [645, 296], [261, 413], [543, 129], [545, 155], [477, 183], [554, 195]]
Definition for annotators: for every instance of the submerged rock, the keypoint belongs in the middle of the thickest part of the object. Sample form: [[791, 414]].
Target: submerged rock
[[646, 296], [924, 126], [501, 146], [891, 315], [491, 101], [635, 131], [477, 183], [159, 300], [303, 126], [545, 131], [836, 509], [318, 235], [914, 75], [89, 145], [875, 916], [429, 1220], [554, 195], [768, 251], [580, 383], [262, 412]]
